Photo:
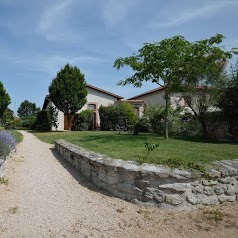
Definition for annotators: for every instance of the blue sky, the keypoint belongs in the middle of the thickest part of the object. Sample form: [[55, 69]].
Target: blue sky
[[39, 37]]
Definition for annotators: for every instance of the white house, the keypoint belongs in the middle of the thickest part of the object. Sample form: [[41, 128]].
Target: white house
[[96, 97], [157, 97]]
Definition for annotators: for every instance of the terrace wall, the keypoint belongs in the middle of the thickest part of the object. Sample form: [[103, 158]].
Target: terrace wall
[[2, 165], [154, 184]]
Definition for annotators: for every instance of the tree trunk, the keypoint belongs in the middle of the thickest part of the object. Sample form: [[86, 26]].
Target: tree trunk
[[204, 127], [166, 116], [69, 121]]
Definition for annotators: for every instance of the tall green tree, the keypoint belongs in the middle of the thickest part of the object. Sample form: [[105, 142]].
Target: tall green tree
[[173, 62], [5, 99], [27, 109], [7, 119], [68, 91]]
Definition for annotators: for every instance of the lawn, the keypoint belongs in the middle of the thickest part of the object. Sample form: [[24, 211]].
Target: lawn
[[174, 151], [17, 135]]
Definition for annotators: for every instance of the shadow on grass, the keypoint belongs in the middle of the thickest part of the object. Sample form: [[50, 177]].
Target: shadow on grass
[[104, 138], [77, 175], [201, 139]]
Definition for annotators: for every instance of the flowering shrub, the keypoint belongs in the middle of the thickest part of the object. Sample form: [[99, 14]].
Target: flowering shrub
[[7, 143]]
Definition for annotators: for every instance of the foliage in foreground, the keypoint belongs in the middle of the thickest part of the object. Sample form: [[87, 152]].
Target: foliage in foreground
[[7, 143]]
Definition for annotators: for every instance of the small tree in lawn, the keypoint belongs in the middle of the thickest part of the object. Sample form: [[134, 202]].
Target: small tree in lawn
[[172, 62], [68, 91], [5, 100]]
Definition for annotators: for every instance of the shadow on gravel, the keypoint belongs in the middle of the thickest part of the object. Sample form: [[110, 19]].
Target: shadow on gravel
[[76, 174]]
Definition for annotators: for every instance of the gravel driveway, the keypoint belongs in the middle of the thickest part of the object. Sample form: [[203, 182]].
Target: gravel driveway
[[46, 197]]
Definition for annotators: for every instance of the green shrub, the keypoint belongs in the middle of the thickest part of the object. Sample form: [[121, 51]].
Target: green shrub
[[142, 125], [155, 115], [117, 116], [28, 121], [108, 117], [84, 121], [43, 121]]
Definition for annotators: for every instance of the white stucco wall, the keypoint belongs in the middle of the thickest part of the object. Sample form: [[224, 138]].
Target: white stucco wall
[[153, 99], [157, 99], [99, 98], [60, 118]]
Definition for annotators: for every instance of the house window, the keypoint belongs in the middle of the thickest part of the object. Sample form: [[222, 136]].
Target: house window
[[92, 106], [187, 101]]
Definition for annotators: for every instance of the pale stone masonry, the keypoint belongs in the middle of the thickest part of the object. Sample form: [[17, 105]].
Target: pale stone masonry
[[2, 165], [155, 184]]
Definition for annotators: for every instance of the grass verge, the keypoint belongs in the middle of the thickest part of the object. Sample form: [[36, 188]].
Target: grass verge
[[17, 135]]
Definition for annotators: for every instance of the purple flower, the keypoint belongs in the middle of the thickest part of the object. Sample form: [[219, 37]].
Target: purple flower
[[7, 143]]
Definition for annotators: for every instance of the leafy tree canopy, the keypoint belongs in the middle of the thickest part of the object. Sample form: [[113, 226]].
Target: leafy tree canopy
[[173, 62], [27, 109], [68, 91], [5, 99]]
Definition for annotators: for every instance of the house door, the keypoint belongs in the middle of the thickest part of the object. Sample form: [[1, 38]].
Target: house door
[[66, 126]]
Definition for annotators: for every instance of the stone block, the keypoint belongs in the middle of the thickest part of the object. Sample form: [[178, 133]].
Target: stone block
[[223, 198], [158, 195], [231, 190], [220, 189], [125, 178], [226, 180], [148, 196], [143, 184], [196, 183], [176, 187], [197, 189], [174, 199], [208, 191], [208, 201], [128, 188], [213, 173], [209, 182], [195, 198]]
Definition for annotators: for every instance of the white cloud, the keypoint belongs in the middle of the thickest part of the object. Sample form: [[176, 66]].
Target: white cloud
[[54, 20], [116, 11], [176, 17]]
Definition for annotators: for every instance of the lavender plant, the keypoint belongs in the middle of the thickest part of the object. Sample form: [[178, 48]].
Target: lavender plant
[[7, 143]]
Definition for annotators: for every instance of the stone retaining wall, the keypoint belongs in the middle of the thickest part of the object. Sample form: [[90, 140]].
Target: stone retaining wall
[[154, 184], [2, 165]]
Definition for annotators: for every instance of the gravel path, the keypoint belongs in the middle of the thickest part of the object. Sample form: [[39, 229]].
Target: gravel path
[[46, 197]]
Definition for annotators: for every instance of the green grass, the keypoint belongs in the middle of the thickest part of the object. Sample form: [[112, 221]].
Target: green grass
[[18, 136], [176, 152]]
